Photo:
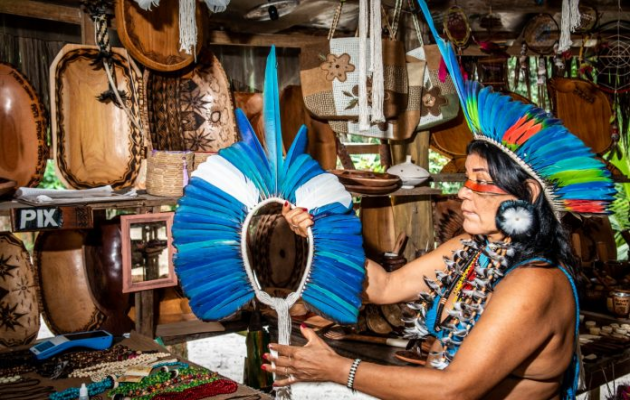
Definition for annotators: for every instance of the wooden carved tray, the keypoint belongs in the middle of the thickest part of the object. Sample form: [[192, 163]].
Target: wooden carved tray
[[94, 143], [371, 179], [23, 123], [190, 110], [584, 109], [152, 37]]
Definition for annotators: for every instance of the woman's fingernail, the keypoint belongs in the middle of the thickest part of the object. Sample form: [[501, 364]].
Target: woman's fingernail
[[271, 346], [263, 367], [265, 356], [303, 326], [305, 209], [286, 203], [311, 215]]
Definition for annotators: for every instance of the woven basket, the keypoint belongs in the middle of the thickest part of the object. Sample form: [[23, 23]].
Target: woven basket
[[168, 172], [200, 158]]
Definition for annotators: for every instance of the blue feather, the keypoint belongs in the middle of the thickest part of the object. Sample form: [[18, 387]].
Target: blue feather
[[298, 147], [271, 117], [248, 135]]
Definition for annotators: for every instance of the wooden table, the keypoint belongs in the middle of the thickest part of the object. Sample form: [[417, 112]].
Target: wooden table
[[143, 343]]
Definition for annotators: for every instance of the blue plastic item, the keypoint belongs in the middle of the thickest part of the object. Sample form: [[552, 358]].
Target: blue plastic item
[[97, 340]]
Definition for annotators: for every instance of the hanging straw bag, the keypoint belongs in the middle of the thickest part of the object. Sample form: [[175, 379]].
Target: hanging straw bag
[[168, 172], [439, 102], [330, 77]]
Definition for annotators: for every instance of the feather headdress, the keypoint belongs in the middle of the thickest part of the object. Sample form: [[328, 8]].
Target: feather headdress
[[212, 220], [572, 178]]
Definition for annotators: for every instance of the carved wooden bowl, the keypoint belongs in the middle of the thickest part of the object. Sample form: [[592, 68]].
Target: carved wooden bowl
[[23, 123], [95, 143]]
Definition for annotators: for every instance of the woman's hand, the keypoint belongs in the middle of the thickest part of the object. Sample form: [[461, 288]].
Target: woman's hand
[[315, 362], [298, 219]]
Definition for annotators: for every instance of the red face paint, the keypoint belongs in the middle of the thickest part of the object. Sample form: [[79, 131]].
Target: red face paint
[[484, 188]]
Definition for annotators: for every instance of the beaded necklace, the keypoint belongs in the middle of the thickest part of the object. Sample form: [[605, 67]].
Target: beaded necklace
[[475, 271], [164, 382], [93, 389], [221, 386], [101, 371]]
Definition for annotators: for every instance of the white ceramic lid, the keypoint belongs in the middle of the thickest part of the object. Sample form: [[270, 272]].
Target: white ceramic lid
[[408, 170]]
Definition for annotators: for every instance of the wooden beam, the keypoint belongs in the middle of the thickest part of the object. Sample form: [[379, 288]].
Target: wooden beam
[[263, 40], [41, 10]]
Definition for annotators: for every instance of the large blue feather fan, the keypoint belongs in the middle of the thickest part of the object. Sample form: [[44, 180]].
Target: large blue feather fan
[[208, 222]]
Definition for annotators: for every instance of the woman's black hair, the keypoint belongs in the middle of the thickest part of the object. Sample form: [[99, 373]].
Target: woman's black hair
[[551, 240]]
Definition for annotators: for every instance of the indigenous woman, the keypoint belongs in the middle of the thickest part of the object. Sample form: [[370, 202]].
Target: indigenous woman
[[500, 299]]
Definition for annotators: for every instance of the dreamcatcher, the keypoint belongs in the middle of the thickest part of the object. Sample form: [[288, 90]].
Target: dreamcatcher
[[608, 65]]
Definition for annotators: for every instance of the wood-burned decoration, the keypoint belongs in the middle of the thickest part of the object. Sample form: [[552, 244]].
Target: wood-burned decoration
[[23, 123], [152, 37], [192, 110], [541, 33], [95, 143], [19, 311], [80, 274], [584, 109]]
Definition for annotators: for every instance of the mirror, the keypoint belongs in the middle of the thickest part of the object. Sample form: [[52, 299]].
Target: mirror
[[147, 252], [276, 254]]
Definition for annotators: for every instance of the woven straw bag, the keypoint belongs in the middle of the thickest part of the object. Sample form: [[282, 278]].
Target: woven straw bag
[[168, 172], [200, 158]]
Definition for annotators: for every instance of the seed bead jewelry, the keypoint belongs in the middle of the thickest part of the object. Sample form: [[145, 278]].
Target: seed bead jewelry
[[9, 379], [100, 371], [221, 386], [164, 382], [352, 374], [93, 389]]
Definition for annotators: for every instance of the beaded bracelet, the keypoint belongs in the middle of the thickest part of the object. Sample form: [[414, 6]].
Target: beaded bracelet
[[353, 372]]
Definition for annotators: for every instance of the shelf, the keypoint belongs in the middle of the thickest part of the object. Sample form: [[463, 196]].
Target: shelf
[[417, 191], [143, 200]]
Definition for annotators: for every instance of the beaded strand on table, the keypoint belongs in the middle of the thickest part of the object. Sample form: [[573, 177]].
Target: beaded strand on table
[[100, 371]]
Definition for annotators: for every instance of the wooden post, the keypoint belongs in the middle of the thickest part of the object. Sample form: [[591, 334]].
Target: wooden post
[[87, 29], [145, 313], [413, 214]]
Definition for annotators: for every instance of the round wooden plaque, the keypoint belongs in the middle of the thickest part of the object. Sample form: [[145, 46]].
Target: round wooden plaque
[[152, 37], [23, 123], [94, 142], [584, 109], [19, 311]]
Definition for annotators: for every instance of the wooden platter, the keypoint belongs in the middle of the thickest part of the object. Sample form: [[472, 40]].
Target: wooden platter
[[383, 190], [584, 109], [19, 319], [190, 110], [356, 177], [152, 37], [94, 143], [23, 124]]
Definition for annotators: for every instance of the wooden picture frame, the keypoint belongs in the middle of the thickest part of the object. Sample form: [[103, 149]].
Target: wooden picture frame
[[147, 247]]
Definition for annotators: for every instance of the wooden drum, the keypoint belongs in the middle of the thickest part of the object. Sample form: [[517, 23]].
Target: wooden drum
[[19, 311]]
